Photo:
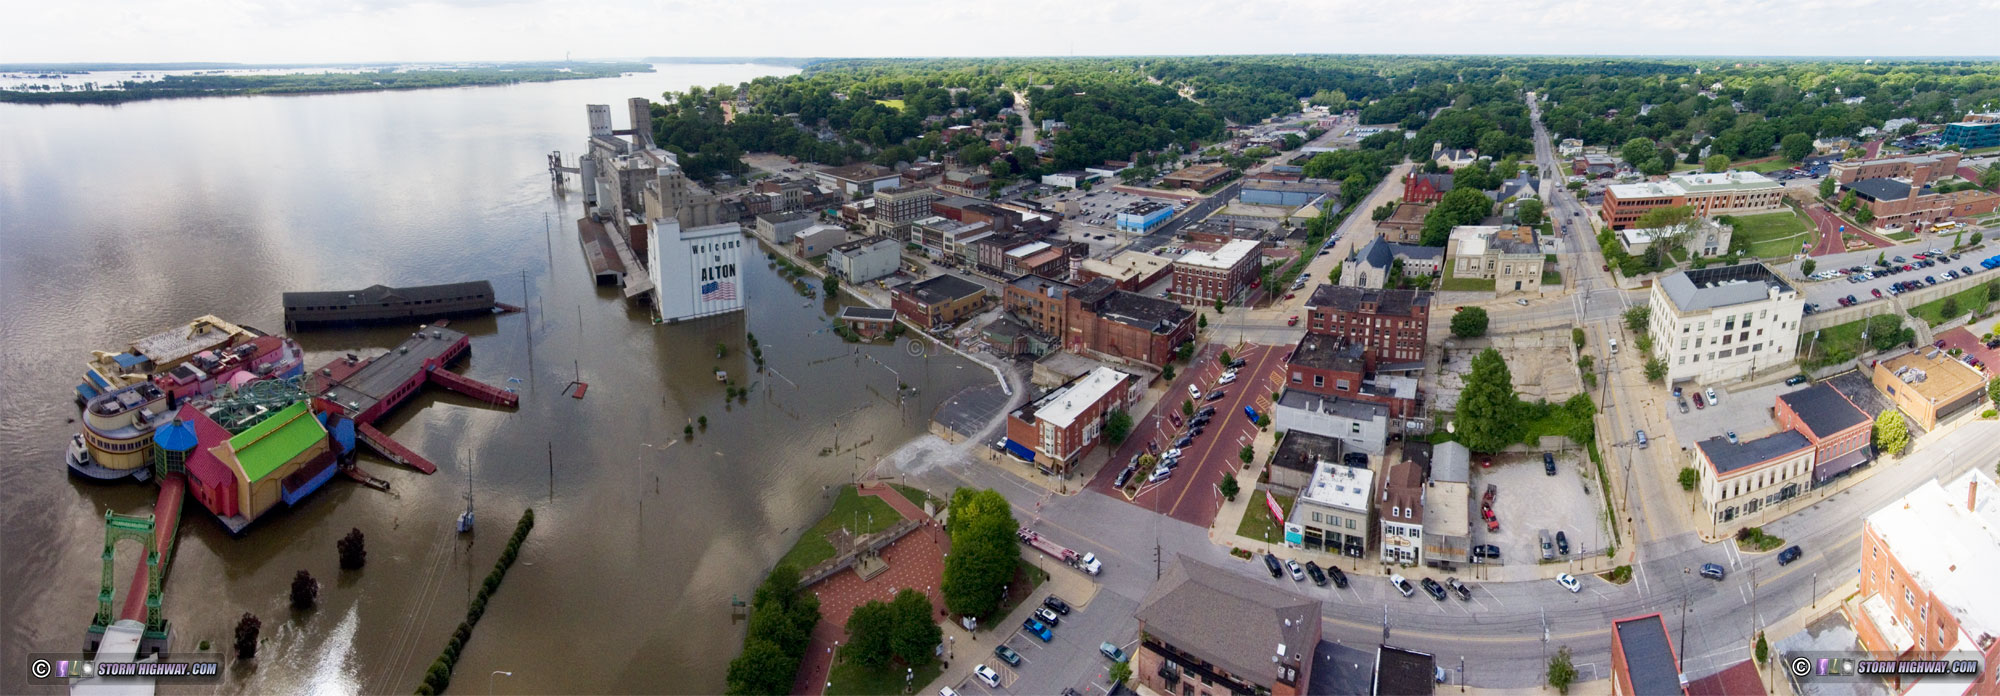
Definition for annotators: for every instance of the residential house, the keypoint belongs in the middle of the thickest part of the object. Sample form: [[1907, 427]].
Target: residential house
[[1406, 225], [1208, 631], [1929, 385], [1511, 257], [1400, 504], [937, 301], [1927, 567], [1056, 431], [1453, 158], [1724, 322]]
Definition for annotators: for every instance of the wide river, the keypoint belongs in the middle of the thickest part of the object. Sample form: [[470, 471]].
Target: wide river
[[120, 221]]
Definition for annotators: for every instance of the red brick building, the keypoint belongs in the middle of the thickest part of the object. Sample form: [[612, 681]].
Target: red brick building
[[1919, 169], [1039, 302], [1425, 188], [1643, 662], [1927, 568], [1057, 431], [936, 301], [1391, 325], [1894, 202], [1101, 319], [1202, 277], [1838, 430]]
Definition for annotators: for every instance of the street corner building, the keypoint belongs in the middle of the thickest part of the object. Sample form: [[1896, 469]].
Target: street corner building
[[1928, 563], [1058, 430], [1710, 194], [1929, 385], [1824, 436], [1724, 323], [1206, 631], [937, 301]]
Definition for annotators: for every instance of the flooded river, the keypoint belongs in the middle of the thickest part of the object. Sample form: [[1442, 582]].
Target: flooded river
[[120, 221]]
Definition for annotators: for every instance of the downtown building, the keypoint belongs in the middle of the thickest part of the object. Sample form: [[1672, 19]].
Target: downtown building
[[1724, 323], [1206, 277], [1208, 631], [1055, 432], [1928, 563], [1710, 195]]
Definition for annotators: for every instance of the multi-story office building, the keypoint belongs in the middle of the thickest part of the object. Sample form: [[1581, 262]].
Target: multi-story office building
[[1710, 194], [1724, 323], [865, 259], [1202, 277], [1976, 131], [1393, 325]]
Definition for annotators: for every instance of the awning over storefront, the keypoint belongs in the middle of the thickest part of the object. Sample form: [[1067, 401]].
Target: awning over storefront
[[1833, 468], [1019, 450]]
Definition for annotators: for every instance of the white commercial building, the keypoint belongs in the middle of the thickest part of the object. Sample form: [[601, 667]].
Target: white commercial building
[[865, 259], [1725, 323], [1331, 512], [696, 270]]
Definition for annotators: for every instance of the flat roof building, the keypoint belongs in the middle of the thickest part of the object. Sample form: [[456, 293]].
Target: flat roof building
[[1203, 277], [1201, 624], [1331, 511], [1928, 385], [1724, 322], [1199, 176], [937, 301], [1928, 563], [1643, 662], [1056, 431], [1710, 194]]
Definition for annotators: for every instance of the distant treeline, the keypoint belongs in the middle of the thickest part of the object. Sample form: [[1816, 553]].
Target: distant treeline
[[178, 86]]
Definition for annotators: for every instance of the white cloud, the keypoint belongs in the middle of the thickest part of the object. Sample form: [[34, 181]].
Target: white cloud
[[262, 31]]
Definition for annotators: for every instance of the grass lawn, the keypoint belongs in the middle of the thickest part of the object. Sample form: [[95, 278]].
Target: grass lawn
[[1552, 277], [918, 496], [1901, 236], [849, 509], [1257, 520], [850, 678], [1471, 284], [896, 104], [1969, 300], [1772, 235], [1834, 344], [1766, 166]]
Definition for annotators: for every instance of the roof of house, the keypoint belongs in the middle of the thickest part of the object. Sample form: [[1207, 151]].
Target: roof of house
[[1301, 451], [1734, 680], [859, 244], [278, 439], [1390, 302], [1225, 257], [1881, 189], [1333, 405], [1402, 489], [1948, 548], [1648, 655], [1727, 457], [1722, 286], [1439, 182], [1823, 409], [1416, 253], [1451, 463], [1230, 620], [941, 288], [1475, 240]]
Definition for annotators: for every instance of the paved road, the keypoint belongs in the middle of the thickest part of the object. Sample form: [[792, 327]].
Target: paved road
[[1191, 494], [1500, 634]]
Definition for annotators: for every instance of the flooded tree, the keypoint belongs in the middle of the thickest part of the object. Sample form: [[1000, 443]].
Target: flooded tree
[[353, 550]]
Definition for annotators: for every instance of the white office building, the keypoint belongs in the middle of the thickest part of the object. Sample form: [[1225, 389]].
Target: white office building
[[1725, 323], [1331, 512], [696, 271]]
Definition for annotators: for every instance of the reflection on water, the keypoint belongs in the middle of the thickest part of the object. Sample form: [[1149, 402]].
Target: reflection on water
[[119, 221]]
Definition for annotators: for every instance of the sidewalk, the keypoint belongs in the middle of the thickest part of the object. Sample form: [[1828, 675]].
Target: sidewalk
[[1066, 582]]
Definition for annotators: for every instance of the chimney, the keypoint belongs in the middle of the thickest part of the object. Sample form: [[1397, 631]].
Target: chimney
[[1972, 495]]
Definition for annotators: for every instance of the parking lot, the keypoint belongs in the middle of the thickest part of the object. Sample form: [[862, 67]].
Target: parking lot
[[1529, 500], [1748, 412], [1826, 293], [1069, 660]]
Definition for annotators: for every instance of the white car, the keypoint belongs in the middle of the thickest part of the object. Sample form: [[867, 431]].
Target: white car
[[986, 674], [1174, 453], [1227, 378], [1569, 582], [1711, 397], [1194, 392], [1159, 475]]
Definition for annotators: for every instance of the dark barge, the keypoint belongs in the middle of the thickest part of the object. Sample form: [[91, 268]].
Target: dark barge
[[381, 303]]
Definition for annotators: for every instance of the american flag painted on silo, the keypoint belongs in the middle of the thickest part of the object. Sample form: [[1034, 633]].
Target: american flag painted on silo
[[718, 290]]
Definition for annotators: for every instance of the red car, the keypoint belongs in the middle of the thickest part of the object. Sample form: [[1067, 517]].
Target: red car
[[1294, 321], [1291, 295], [1698, 403]]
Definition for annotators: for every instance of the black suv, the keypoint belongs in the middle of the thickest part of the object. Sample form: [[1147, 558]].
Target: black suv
[[1056, 603], [1339, 578], [1562, 543], [1548, 464], [1318, 576], [1435, 590], [1788, 555], [1271, 562]]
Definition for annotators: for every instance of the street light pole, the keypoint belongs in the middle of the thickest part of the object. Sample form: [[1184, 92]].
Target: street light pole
[[489, 678]]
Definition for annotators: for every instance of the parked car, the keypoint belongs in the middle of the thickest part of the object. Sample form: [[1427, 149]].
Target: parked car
[[1683, 404], [1056, 603], [1194, 392], [1237, 363], [1699, 402], [1048, 616], [1548, 464], [1795, 380], [1250, 412], [1111, 651], [986, 674], [1294, 321], [1227, 378], [1339, 577], [1713, 571], [1205, 412], [1568, 582], [1125, 477], [1642, 439], [1488, 551], [1184, 441], [1318, 576], [1216, 395], [1791, 553], [1297, 572], [1464, 593], [1548, 545], [1562, 543], [1732, 436], [1402, 585], [1432, 588], [1008, 654], [1160, 474], [1271, 563], [1712, 398], [1038, 629]]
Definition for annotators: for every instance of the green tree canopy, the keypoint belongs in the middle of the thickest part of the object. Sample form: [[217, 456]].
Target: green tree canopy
[[1117, 426], [1529, 212], [1715, 163], [984, 552], [763, 668], [1795, 146], [916, 634], [1891, 434], [1469, 323], [1487, 410], [1458, 207], [1828, 186], [871, 633], [1639, 152]]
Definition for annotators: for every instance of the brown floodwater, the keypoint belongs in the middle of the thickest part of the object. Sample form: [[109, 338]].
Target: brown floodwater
[[116, 222]]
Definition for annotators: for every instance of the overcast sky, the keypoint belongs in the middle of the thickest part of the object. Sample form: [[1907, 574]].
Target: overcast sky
[[267, 31]]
